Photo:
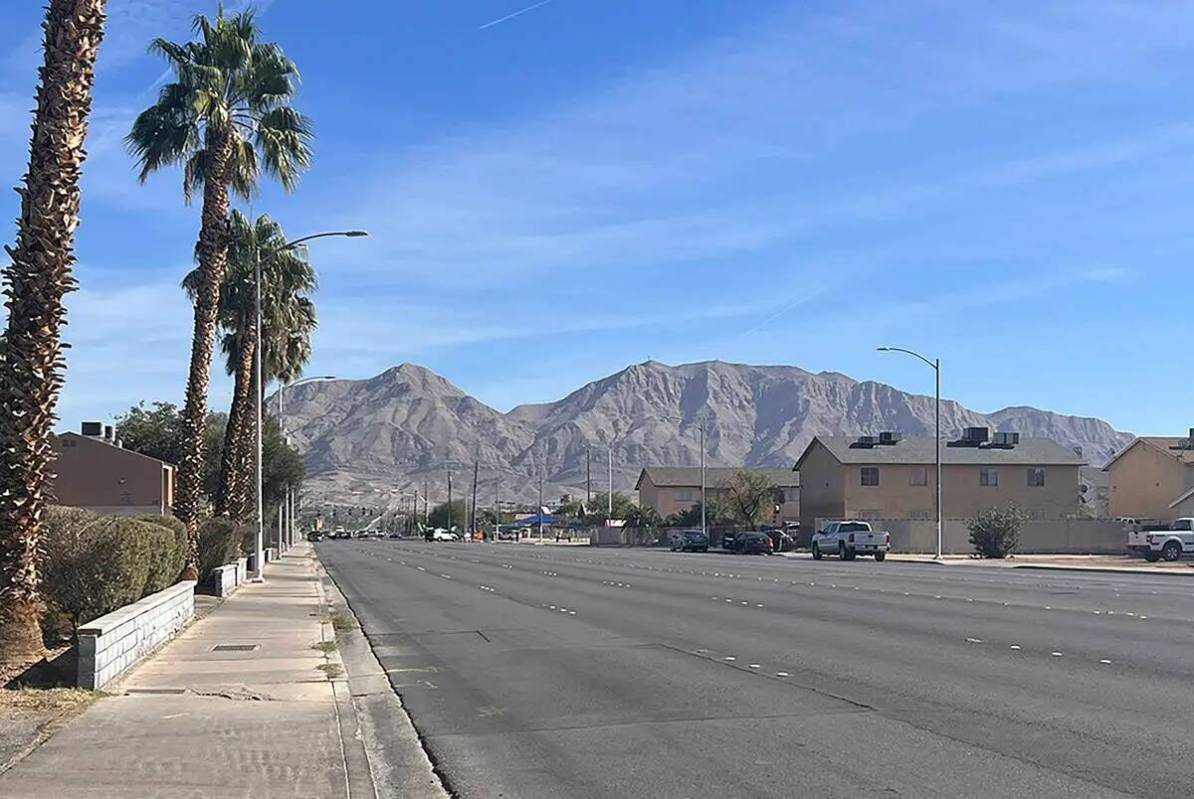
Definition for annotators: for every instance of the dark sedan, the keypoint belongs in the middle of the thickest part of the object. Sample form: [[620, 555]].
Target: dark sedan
[[689, 541], [753, 544]]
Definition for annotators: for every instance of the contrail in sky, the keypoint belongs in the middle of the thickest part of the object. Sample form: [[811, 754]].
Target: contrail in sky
[[508, 17]]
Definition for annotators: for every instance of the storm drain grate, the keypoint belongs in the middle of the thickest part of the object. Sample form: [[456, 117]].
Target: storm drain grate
[[234, 647]]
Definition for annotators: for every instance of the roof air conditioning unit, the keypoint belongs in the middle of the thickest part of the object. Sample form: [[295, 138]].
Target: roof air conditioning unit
[[975, 435], [867, 441], [889, 438], [92, 429], [1006, 440]]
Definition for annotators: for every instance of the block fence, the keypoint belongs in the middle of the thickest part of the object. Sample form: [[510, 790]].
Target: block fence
[[111, 644]]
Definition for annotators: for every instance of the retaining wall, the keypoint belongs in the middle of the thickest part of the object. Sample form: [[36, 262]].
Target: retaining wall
[[109, 645]]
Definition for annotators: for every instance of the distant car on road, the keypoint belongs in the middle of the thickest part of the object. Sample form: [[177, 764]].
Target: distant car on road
[[1171, 544], [688, 541], [753, 544], [342, 535], [849, 539]]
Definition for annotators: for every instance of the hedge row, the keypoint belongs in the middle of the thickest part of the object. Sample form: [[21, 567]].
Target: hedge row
[[94, 564]]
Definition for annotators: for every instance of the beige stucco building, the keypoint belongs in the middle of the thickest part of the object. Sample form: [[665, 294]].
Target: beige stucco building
[[1153, 478], [855, 477], [674, 489], [92, 472]]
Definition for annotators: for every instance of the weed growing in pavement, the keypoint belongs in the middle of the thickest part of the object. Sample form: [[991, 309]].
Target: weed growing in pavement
[[331, 670], [326, 647]]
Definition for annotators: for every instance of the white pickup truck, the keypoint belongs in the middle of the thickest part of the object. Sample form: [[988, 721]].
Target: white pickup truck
[[849, 539], [1170, 544]]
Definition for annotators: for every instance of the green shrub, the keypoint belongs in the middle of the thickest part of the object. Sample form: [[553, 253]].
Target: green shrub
[[995, 532], [95, 564], [219, 543], [169, 556]]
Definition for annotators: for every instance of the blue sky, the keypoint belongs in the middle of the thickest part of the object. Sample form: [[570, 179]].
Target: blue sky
[[1008, 185]]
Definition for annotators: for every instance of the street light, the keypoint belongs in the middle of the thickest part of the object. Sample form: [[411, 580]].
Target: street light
[[935, 365], [290, 245], [288, 501]]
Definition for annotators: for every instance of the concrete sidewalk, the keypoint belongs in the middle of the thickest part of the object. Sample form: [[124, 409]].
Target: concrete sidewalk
[[197, 721]]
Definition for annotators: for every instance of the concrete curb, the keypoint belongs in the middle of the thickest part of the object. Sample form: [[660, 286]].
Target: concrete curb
[[397, 762]]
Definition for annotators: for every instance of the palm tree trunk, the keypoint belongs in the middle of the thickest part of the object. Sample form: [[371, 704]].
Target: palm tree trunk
[[213, 260], [37, 280], [234, 479]]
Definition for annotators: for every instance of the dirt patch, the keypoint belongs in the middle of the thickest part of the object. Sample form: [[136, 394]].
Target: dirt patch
[[29, 716]]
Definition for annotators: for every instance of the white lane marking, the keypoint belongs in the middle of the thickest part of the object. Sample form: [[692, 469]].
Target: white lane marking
[[1055, 654], [758, 606], [730, 658], [782, 674], [753, 666], [422, 569], [745, 603], [572, 613], [446, 576], [1016, 647], [1105, 662], [974, 640]]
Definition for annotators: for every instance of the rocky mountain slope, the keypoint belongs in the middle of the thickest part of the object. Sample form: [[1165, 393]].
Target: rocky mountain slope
[[365, 439]]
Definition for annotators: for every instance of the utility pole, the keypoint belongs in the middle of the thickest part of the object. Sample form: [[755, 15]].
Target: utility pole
[[540, 507], [426, 506], [610, 497], [472, 527], [449, 502], [588, 477], [704, 525]]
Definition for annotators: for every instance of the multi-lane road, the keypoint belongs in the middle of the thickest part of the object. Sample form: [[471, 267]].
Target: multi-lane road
[[584, 672]]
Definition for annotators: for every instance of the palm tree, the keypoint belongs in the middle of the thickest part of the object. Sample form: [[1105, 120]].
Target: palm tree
[[225, 117], [35, 283], [288, 320]]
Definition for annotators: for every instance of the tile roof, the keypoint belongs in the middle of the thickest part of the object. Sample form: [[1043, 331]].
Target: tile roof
[[714, 475], [921, 450], [1166, 443]]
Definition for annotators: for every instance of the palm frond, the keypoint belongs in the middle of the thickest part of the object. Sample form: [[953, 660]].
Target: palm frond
[[284, 136]]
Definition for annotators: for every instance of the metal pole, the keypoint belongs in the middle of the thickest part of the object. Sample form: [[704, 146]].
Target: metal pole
[[588, 478], [610, 509], [541, 508], [704, 527], [260, 543], [937, 369], [449, 502], [472, 527]]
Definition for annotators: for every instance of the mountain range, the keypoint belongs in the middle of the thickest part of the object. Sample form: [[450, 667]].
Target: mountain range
[[409, 427]]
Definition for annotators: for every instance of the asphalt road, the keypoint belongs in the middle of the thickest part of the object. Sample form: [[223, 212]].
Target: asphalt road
[[577, 672]]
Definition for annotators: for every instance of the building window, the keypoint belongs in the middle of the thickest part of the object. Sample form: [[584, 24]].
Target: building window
[[1036, 477], [1036, 515], [870, 475], [988, 477], [919, 476]]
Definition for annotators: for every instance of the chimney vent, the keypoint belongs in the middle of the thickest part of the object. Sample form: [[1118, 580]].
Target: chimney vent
[[109, 433]]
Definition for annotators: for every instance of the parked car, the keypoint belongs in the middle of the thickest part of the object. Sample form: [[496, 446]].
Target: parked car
[[1171, 544], [849, 539], [729, 541], [342, 535], [444, 535], [1138, 533], [395, 535], [688, 541], [752, 544], [314, 536]]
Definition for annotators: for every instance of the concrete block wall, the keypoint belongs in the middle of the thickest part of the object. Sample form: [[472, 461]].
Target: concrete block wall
[[223, 580], [111, 644], [1037, 537]]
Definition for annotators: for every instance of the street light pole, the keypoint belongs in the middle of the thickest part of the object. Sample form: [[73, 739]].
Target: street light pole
[[704, 526], [260, 387], [935, 365]]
